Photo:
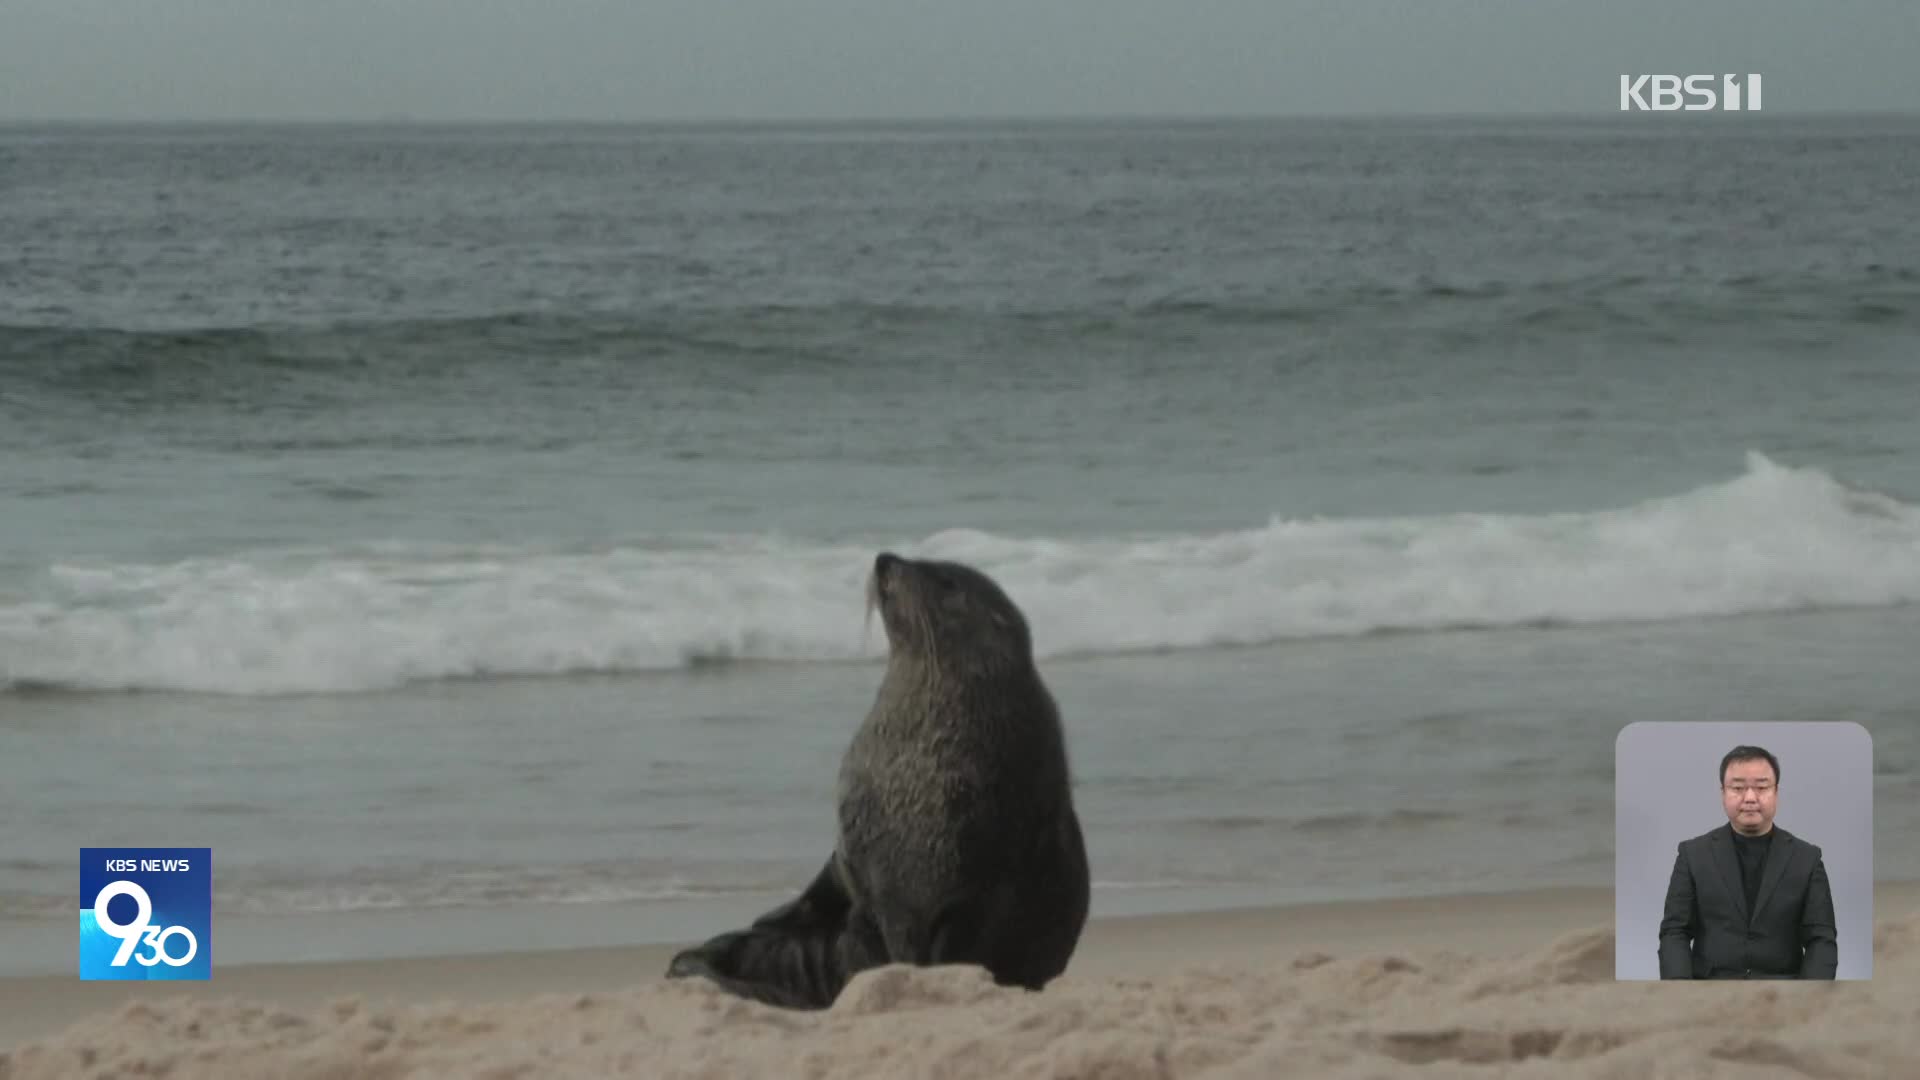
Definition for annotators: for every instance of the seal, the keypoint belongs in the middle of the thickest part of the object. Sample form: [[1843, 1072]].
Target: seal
[[958, 841]]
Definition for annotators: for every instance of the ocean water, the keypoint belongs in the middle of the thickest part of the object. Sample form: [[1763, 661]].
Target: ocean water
[[463, 530]]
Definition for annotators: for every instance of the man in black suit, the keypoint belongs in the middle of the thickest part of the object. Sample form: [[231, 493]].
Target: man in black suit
[[1748, 900]]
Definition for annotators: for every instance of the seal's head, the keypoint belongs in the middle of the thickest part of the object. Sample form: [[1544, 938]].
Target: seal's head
[[947, 613]]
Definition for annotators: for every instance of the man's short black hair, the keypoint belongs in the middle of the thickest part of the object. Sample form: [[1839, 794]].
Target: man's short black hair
[[1749, 753]]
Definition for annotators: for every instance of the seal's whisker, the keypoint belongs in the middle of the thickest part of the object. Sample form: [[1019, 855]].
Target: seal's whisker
[[873, 604], [929, 641]]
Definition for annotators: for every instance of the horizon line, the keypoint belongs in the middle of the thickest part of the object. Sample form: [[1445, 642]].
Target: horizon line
[[745, 120]]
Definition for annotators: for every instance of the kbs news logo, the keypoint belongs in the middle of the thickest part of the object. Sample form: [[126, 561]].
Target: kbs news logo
[[1666, 93], [146, 913]]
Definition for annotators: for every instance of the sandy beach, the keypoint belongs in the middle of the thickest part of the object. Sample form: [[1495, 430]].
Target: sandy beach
[[1517, 984]]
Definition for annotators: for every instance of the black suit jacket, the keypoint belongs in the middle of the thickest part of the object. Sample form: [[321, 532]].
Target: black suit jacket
[[1708, 933]]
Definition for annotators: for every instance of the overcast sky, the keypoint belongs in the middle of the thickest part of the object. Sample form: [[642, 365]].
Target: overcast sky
[[695, 59]]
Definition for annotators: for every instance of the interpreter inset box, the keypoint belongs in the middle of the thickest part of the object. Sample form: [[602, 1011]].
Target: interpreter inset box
[[1743, 850]]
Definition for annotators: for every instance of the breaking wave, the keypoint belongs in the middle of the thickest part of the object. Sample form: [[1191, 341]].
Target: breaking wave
[[1774, 539]]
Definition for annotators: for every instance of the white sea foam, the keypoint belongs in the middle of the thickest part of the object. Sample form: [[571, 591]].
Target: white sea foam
[[1772, 539]]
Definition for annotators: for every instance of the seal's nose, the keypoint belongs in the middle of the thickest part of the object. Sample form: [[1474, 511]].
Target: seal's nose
[[885, 562]]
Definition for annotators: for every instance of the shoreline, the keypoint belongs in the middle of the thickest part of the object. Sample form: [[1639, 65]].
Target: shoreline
[[42, 946], [34, 1005]]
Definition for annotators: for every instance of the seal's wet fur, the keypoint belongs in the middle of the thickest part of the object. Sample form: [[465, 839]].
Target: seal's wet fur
[[958, 839]]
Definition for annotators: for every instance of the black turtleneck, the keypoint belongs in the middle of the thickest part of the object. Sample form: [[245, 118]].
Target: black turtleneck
[[1752, 851]]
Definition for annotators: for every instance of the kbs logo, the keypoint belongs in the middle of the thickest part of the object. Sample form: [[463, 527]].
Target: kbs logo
[[1667, 93], [146, 913]]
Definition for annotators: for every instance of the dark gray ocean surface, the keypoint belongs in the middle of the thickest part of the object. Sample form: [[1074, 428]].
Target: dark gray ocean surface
[[474, 519]]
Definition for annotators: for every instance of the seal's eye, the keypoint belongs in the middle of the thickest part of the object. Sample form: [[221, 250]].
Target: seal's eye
[[950, 590]]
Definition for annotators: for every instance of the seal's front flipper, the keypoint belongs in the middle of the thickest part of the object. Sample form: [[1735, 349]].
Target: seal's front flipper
[[798, 955], [712, 960], [822, 905], [693, 963], [803, 969]]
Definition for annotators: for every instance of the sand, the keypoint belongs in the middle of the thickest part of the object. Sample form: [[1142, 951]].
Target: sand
[[1515, 985]]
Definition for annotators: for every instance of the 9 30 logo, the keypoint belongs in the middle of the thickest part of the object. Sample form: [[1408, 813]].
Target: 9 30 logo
[[146, 913]]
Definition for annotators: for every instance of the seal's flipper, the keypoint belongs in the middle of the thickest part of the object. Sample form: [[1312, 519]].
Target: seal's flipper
[[699, 962], [798, 969]]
